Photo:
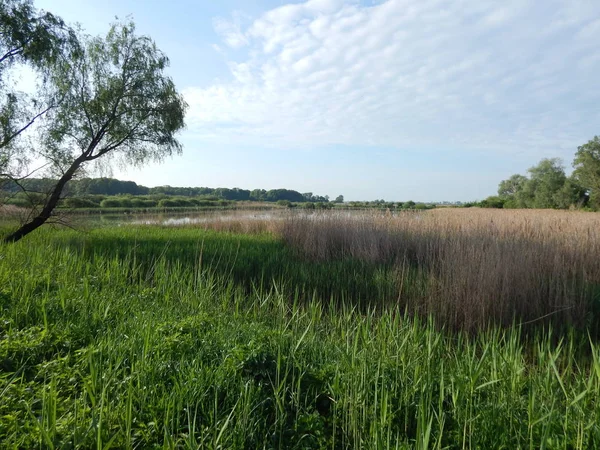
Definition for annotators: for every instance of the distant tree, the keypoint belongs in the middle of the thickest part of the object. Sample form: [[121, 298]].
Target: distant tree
[[283, 194], [587, 169], [258, 195], [571, 195], [339, 199], [545, 180], [509, 188], [493, 202], [118, 103]]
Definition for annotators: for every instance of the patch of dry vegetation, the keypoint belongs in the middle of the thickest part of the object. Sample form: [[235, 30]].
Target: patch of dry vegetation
[[477, 266]]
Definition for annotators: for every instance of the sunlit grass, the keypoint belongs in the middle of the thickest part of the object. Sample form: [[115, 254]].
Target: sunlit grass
[[186, 338]]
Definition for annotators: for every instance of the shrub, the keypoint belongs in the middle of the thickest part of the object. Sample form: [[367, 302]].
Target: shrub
[[110, 203], [76, 202], [493, 202]]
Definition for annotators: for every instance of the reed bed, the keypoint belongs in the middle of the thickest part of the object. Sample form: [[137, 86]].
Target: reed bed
[[189, 338], [477, 267]]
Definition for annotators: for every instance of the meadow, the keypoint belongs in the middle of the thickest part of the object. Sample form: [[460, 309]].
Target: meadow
[[440, 329]]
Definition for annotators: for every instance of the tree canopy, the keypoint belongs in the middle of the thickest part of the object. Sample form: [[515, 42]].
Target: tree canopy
[[117, 105], [35, 41], [547, 185], [587, 169]]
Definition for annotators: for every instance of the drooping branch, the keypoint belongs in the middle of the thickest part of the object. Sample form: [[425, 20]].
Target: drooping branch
[[117, 99], [7, 139]]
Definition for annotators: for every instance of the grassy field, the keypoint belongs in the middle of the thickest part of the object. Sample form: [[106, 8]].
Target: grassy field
[[445, 329]]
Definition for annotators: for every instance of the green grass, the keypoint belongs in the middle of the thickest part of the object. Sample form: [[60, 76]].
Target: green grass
[[156, 337]]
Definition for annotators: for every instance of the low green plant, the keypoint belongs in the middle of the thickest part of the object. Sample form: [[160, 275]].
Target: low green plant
[[155, 337]]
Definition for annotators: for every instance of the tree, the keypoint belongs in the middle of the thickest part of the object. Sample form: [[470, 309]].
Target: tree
[[587, 169], [545, 180], [508, 188], [339, 199], [258, 195], [570, 195], [36, 40], [118, 105]]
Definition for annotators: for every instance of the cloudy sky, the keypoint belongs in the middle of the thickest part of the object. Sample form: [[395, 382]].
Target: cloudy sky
[[426, 100]]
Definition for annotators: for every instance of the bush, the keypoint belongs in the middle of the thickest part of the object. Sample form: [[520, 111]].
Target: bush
[[143, 203], [493, 202], [169, 203], [76, 202], [422, 206], [110, 203]]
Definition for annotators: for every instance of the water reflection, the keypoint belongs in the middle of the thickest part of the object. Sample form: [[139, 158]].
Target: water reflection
[[175, 219], [184, 218]]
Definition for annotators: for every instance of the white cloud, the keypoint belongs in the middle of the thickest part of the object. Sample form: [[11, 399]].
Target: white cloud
[[231, 30], [513, 75]]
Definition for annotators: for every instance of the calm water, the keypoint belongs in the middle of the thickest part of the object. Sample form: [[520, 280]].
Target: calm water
[[201, 217], [177, 219]]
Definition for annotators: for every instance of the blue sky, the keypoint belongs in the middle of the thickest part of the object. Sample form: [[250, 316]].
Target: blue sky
[[426, 100]]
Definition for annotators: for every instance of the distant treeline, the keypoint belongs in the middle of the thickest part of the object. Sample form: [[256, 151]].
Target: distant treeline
[[111, 186], [547, 185], [110, 193]]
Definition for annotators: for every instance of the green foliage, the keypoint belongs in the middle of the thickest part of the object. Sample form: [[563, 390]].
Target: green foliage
[[146, 338], [111, 186], [549, 187], [118, 102], [546, 187], [36, 40], [422, 206], [545, 180], [310, 197], [283, 194], [509, 188], [27, 200], [111, 203], [571, 195], [587, 169], [493, 202], [76, 202]]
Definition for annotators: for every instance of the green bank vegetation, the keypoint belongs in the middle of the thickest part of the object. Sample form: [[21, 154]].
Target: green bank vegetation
[[303, 333]]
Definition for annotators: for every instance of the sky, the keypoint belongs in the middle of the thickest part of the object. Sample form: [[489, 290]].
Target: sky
[[424, 100]]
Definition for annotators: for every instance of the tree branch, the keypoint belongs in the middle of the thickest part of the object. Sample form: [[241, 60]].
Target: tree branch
[[7, 139]]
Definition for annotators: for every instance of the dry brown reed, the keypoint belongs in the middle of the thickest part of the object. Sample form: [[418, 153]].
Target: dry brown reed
[[476, 266], [242, 222]]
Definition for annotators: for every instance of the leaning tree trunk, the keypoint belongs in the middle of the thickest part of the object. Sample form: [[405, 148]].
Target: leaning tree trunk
[[49, 206]]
